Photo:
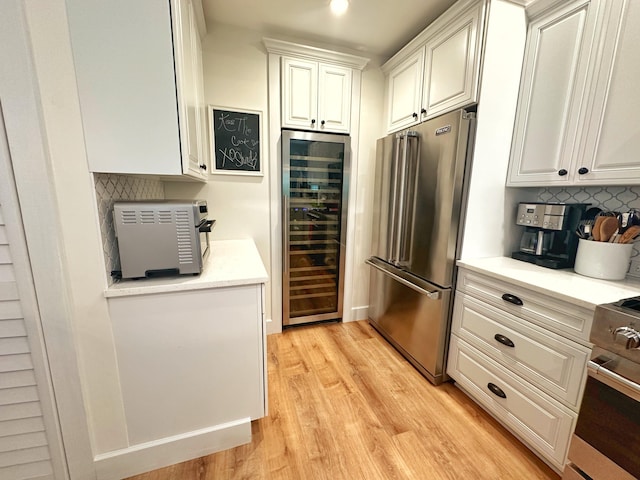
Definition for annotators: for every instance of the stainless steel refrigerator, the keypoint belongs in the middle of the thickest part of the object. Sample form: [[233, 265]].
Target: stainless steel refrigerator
[[315, 192], [420, 192]]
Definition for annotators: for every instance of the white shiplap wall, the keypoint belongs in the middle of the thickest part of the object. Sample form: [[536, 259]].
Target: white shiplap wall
[[24, 450]]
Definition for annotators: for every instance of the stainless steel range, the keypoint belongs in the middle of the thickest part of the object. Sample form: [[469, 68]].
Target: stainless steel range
[[606, 442]]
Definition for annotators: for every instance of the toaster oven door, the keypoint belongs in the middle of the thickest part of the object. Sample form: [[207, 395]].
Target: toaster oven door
[[204, 229]]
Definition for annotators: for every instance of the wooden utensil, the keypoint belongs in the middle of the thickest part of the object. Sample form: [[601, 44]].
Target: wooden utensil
[[595, 231], [608, 227], [630, 234]]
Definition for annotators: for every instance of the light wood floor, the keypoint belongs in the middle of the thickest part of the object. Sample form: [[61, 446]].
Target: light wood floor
[[345, 405]]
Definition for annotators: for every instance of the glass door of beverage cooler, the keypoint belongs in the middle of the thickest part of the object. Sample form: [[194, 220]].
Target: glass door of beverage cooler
[[314, 169]]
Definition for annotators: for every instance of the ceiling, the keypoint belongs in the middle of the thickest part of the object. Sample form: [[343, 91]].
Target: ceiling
[[374, 27]]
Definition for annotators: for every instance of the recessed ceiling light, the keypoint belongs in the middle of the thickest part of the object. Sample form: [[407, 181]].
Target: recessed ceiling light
[[338, 7]]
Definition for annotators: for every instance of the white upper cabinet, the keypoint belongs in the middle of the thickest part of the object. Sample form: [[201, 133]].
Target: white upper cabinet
[[404, 91], [315, 95], [299, 93], [611, 139], [452, 66], [551, 93], [334, 98], [139, 75], [577, 97], [437, 71], [188, 54]]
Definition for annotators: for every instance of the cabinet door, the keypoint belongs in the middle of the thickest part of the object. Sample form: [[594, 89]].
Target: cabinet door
[[452, 65], [203, 139], [612, 139], [334, 98], [543, 423], [548, 361], [551, 93], [124, 64], [189, 73], [196, 356], [299, 93], [404, 92]]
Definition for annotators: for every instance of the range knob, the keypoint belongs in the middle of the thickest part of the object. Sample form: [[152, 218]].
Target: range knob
[[627, 336]]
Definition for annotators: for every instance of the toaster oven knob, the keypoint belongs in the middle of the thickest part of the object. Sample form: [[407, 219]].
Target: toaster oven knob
[[626, 336]]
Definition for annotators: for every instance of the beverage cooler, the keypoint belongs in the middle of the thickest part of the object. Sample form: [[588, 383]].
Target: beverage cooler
[[315, 196]]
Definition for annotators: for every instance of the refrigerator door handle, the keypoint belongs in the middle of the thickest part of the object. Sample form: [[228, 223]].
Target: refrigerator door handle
[[433, 294], [406, 217], [400, 226], [393, 221]]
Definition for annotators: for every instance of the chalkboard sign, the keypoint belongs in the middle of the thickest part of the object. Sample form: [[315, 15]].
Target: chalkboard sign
[[235, 141]]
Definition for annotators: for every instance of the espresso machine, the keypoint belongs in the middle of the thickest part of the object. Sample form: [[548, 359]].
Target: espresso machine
[[549, 238]]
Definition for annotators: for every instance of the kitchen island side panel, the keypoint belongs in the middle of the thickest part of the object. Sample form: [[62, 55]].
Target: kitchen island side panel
[[189, 360]]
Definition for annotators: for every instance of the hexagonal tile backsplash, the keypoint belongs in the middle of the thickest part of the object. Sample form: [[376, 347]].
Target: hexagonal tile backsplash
[[110, 188]]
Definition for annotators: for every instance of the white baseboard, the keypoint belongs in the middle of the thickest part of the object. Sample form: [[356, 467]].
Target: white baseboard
[[359, 313], [273, 327], [168, 451]]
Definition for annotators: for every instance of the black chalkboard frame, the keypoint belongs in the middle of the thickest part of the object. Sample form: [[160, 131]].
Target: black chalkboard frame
[[211, 114]]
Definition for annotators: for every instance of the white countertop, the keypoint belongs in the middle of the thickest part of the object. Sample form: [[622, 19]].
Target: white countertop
[[229, 263], [562, 284]]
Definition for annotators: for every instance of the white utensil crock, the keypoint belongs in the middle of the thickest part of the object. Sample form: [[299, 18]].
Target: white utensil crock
[[609, 261]]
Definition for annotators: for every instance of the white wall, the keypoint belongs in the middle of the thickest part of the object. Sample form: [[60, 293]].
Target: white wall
[[235, 76], [371, 128], [491, 208]]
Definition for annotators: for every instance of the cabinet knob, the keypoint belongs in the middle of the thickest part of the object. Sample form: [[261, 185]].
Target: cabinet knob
[[322, 123], [423, 111], [415, 115], [562, 172], [583, 170], [313, 121], [203, 167]]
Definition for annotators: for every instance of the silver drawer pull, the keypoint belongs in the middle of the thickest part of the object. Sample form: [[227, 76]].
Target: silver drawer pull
[[433, 295], [496, 390], [504, 340]]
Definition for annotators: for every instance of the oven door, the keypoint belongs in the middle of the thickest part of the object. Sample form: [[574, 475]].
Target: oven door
[[607, 435]]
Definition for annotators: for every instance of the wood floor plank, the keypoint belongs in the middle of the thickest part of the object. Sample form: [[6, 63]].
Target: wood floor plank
[[343, 404]]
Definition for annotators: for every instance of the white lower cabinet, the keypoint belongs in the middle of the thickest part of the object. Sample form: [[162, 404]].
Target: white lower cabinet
[[189, 360], [543, 358], [542, 423], [521, 355]]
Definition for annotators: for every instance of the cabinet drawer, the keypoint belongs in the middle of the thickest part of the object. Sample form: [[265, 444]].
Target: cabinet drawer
[[552, 363], [561, 317], [544, 424]]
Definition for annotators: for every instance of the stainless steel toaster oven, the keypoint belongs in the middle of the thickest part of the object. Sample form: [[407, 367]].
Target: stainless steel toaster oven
[[161, 237]]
